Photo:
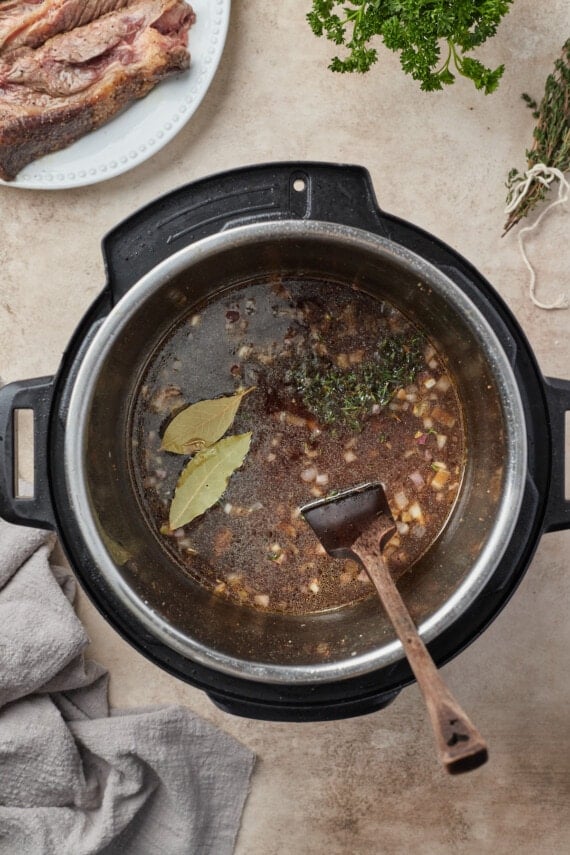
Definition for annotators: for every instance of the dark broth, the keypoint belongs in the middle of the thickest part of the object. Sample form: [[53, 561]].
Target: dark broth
[[253, 546]]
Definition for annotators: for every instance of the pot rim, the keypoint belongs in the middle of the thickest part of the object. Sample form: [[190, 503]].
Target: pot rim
[[113, 327]]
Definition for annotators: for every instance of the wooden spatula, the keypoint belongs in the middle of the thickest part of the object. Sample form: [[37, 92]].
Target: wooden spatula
[[357, 523]]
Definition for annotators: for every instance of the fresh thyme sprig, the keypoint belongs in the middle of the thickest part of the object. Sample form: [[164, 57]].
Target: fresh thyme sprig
[[416, 29], [551, 137]]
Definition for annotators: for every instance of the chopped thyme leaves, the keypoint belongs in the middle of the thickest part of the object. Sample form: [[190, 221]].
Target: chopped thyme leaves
[[339, 396]]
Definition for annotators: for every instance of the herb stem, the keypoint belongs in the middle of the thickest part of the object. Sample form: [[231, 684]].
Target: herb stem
[[551, 137]]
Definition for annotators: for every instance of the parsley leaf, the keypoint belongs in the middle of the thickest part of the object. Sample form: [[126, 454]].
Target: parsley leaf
[[416, 29]]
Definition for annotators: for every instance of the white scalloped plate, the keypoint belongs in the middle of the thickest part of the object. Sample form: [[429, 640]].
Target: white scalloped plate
[[144, 127]]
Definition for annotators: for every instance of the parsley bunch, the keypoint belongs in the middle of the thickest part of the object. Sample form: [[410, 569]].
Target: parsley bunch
[[417, 29]]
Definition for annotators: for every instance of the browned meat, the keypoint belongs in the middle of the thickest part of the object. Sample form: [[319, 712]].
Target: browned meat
[[34, 22], [71, 62], [77, 81]]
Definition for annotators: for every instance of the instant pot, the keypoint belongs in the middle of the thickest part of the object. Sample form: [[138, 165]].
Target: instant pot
[[315, 221]]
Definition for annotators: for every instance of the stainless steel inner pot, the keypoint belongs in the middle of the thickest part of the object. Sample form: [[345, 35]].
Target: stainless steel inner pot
[[240, 641]]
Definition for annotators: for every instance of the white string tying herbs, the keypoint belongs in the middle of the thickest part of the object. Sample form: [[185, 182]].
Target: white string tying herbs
[[544, 175]]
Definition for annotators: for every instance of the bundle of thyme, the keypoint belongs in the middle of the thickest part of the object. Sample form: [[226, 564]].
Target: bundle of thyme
[[551, 139]]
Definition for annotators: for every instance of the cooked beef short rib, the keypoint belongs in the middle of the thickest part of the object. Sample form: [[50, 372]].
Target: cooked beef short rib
[[52, 95], [34, 22]]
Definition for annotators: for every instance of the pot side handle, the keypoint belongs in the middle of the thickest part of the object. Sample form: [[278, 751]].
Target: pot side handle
[[296, 190], [36, 510], [557, 514]]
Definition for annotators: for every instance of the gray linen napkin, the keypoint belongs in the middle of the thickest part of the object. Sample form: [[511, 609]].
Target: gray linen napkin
[[75, 777]]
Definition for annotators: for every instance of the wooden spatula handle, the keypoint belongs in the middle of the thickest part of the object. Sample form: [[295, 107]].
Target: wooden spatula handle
[[460, 745]]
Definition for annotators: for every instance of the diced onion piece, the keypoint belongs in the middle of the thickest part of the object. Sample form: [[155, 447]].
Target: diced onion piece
[[403, 528], [408, 453], [322, 479], [195, 320], [296, 421], [440, 479], [443, 383], [342, 360], [316, 492], [314, 586], [356, 357], [271, 457], [443, 417], [421, 408], [309, 475], [401, 500], [428, 423], [417, 479], [349, 456], [261, 600], [415, 511], [433, 363], [418, 531], [288, 529], [275, 553], [441, 440], [430, 382]]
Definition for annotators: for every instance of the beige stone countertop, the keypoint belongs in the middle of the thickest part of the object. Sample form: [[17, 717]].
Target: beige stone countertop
[[369, 784]]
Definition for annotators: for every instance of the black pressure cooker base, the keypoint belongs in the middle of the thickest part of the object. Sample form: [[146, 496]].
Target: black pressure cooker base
[[284, 191]]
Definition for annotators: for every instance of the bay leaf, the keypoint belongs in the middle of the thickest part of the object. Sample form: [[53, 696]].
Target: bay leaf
[[202, 424], [205, 478]]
